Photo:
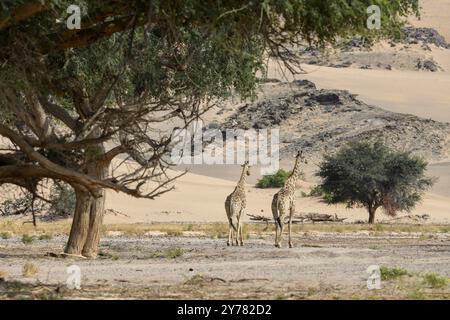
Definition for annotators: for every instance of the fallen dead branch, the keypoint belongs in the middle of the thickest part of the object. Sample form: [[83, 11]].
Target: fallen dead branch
[[414, 217], [301, 218]]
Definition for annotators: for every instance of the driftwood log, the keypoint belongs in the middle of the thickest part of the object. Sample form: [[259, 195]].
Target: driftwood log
[[301, 218]]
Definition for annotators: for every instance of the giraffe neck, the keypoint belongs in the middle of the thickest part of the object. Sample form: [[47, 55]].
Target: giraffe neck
[[241, 182], [290, 182]]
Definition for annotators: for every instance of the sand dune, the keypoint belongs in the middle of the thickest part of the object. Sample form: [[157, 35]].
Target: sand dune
[[200, 198], [420, 93], [434, 14]]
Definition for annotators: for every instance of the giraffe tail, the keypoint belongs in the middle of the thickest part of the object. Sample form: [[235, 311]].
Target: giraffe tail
[[275, 210]]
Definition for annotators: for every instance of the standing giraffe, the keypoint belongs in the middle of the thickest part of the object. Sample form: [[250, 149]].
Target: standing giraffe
[[234, 206], [283, 202]]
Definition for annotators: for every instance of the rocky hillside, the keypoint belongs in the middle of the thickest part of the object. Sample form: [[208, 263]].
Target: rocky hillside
[[410, 53], [319, 121]]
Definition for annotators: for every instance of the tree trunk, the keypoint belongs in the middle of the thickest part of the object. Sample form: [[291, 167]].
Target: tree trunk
[[372, 215], [80, 224], [96, 213], [86, 227]]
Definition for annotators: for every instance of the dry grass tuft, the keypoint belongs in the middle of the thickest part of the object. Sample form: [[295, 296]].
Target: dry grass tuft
[[29, 269]]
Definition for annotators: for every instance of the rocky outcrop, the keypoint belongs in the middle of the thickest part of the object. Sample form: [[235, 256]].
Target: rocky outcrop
[[357, 53], [425, 36], [318, 121]]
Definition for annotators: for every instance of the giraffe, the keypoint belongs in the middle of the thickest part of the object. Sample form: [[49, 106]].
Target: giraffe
[[234, 206], [283, 202]]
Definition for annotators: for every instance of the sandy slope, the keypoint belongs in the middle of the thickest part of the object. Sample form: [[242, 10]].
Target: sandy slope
[[424, 94], [435, 14], [200, 198]]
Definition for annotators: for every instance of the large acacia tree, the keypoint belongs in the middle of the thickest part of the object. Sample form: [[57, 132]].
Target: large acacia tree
[[371, 175], [73, 101]]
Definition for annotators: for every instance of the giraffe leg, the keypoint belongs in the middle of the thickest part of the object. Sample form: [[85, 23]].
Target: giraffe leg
[[281, 215], [276, 232], [240, 235], [230, 230], [291, 213], [276, 215], [280, 221], [289, 230], [238, 229]]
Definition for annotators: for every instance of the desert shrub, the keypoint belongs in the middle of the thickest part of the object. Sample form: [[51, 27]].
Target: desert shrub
[[22, 203], [45, 236], [62, 201], [388, 273], [275, 180], [27, 239], [174, 253], [29, 269], [435, 281], [5, 235], [317, 191]]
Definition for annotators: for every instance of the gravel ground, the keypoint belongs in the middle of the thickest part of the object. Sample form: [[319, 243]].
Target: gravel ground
[[321, 265]]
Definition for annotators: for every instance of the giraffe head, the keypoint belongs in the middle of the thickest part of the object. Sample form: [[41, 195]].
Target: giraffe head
[[246, 168], [300, 157]]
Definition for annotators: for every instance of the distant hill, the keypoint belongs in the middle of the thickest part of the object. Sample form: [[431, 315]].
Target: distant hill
[[318, 121]]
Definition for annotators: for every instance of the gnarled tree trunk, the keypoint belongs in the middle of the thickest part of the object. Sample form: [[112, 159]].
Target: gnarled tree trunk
[[372, 211], [88, 219], [80, 223]]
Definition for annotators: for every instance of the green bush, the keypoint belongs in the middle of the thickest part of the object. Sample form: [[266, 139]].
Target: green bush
[[435, 281], [45, 236], [5, 235], [388, 273], [317, 191], [63, 201], [275, 180], [27, 239]]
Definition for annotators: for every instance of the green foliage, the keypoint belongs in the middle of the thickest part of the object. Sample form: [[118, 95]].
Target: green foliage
[[192, 48], [45, 236], [275, 180], [317, 191], [388, 273], [27, 239], [372, 175], [5, 235], [174, 253], [435, 280]]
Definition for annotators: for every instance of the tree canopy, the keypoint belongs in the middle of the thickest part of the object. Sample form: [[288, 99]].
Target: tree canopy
[[75, 101], [372, 175]]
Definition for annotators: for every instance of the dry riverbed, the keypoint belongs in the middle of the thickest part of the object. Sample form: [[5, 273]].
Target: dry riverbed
[[323, 265]]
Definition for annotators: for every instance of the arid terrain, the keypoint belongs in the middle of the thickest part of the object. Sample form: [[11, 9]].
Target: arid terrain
[[186, 264], [175, 246]]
